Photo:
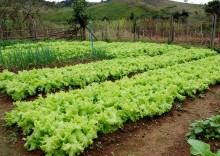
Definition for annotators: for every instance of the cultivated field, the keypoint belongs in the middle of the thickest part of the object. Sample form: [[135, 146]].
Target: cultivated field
[[62, 110]]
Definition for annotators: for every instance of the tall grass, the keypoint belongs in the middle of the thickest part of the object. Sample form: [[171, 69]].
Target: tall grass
[[24, 59]]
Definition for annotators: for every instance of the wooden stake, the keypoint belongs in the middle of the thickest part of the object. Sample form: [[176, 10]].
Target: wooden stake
[[171, 33], [134, 29], [2, 35], [201, 32], [34, 29], [212, 42]]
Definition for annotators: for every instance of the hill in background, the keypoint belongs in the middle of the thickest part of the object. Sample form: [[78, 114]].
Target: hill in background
[[121, 9]]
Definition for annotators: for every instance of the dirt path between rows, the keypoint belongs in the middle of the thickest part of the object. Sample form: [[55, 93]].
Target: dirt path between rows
[[158, 136]]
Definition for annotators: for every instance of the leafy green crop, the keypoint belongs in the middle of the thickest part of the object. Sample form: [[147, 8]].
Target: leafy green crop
[[201, 148], [71, 50], [22, 56], [4, 43], [209, 128], [66, 123], [24, 59], [26, 83]]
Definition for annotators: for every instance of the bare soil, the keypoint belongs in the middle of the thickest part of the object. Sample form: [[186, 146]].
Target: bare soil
[[159, 136]]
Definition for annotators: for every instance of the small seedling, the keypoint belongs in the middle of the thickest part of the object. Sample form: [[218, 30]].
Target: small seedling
[[90, 147], [99, 144], [179, 106], [14, 137], [131, 154], [202, 96]]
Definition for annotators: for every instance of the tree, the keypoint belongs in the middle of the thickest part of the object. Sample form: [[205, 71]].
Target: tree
[[19, 13], [67, 3], [196, 12], [184, 16], [80, 17], [213, 7], [176, 16], [132, 16], [181, 16]]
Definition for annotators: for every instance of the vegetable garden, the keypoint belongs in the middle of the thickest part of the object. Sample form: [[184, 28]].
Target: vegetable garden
[[135, 80]]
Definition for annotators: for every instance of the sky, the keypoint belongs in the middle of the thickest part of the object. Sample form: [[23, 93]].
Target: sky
[[190, 1], [195, 1]]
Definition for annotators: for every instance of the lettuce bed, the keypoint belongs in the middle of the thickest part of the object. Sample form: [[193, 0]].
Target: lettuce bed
[[66, 123], [26, 83]]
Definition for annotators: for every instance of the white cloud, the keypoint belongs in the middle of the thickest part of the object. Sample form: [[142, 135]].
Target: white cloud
[[194, 1], [189, 1], [62, 0]]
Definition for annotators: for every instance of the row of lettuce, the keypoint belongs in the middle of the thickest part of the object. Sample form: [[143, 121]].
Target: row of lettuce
[[27, 83], [66, 123], [41, 54], [65, 50]]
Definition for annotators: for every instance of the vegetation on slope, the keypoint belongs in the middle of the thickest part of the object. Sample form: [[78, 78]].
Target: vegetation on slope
[[122, 9]]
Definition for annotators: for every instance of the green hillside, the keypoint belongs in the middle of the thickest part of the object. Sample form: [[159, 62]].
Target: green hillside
[[196, 11], [56, 16], [114, 10], [121, 9]]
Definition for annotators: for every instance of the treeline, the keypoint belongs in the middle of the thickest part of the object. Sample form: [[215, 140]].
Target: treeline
[[16, 15], [68, 3], [6, 3]]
